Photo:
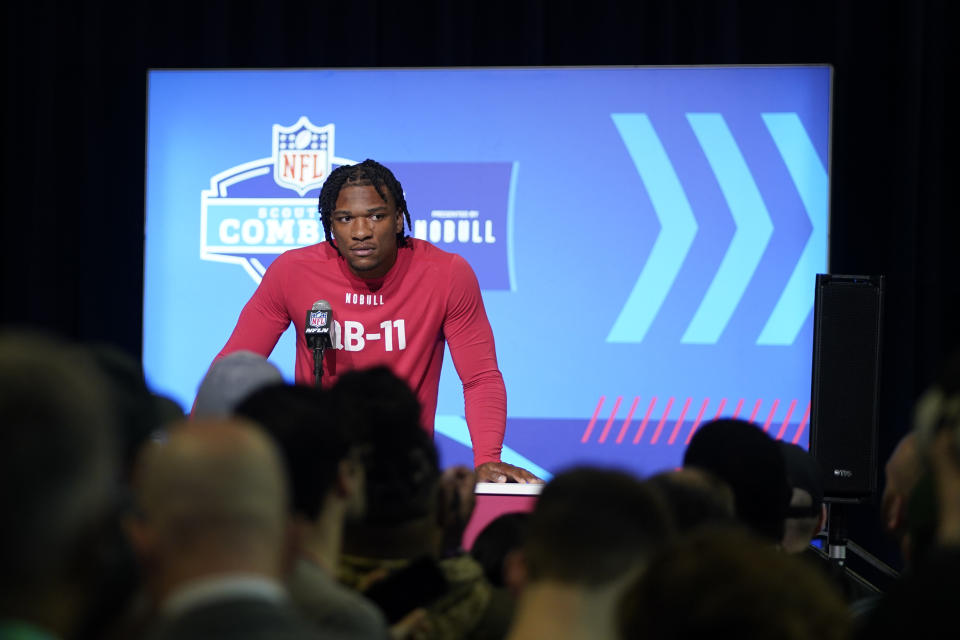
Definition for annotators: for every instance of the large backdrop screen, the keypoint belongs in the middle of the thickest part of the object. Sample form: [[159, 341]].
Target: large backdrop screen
[[646, 239]]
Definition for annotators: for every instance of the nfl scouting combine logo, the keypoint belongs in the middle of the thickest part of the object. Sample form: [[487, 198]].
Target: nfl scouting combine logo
[[248, 216], [256, 210]]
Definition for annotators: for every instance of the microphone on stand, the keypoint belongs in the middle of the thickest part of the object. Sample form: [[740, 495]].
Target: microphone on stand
[[318, 331]]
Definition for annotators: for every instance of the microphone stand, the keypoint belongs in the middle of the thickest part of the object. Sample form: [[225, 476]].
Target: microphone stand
[[318, 363], [318, 336]]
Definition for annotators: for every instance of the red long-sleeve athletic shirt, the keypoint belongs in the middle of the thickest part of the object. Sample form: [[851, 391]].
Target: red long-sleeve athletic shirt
[[400, 320]]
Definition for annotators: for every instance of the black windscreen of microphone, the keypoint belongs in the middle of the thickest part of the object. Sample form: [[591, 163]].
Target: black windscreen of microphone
[[318, 329]]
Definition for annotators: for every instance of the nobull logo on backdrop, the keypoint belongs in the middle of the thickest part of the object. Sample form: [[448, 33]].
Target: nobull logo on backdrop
[[258, 209], [455, 227], [466, 208]]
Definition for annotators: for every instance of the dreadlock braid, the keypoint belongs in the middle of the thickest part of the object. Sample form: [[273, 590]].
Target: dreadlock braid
[[367, 173]]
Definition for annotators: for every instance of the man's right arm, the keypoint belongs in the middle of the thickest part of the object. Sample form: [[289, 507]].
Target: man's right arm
[[263, 320]]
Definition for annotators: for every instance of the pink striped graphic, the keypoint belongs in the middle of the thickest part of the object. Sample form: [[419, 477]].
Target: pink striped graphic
[[773, 409], [624, 429], [723, 403], [786, 421], [656, 434], [646, 419], [696, 423], [626, 423], [679, 423], [803, 424], [613, 414], [737, 411], [593, 420]]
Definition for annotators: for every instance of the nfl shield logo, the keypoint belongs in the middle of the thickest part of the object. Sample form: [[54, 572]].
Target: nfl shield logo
[[318, 319], [302, 155]]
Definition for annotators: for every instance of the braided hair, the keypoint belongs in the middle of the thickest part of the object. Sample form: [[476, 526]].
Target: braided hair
[[365, 174]]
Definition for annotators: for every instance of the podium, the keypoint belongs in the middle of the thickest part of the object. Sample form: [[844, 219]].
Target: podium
[[495, 499]]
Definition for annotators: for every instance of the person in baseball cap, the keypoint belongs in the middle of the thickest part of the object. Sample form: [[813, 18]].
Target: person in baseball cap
[[806, 514]]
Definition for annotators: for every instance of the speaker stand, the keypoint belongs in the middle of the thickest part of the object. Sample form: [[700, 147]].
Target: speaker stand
[[837, 533]]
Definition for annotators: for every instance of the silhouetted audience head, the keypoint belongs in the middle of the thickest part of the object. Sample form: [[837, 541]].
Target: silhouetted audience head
[[140, 412], [402, 477], [496, 546], [313, 444], [901, 474], [230, 379], [325, 474], [374, 399], [922, 603], [591, 527], [415, 515], [806, 514], [749, 461], [695, 498], [58, 456], [403, 469], [910, 501], [726, 583]]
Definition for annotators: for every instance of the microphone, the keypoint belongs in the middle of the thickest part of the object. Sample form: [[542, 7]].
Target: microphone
[[319, 334], [318, 329]]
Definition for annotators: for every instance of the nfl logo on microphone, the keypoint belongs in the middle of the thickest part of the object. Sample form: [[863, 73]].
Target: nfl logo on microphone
[[318, 318]]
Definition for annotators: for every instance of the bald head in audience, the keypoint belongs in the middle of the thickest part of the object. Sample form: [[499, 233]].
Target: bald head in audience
[[212, 501]]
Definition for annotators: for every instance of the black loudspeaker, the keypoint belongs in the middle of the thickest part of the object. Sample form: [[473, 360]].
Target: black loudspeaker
[[846, 380]]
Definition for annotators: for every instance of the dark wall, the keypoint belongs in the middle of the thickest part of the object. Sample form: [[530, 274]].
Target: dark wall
[[74, 108]]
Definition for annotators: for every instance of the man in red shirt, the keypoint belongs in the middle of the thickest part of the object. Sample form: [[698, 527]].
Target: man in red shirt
[[395, 299]]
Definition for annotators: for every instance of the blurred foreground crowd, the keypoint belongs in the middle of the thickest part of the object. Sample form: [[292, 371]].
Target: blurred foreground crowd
[[281, 511]]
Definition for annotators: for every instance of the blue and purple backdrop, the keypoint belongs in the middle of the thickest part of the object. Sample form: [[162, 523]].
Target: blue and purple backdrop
[[646, 239]]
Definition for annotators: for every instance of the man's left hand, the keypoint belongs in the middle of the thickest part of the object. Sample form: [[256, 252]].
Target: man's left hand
[[503, 472]]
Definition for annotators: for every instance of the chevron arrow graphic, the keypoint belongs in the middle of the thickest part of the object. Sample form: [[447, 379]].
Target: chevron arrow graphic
[[750, 240], [810, 178], [678, 228]]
